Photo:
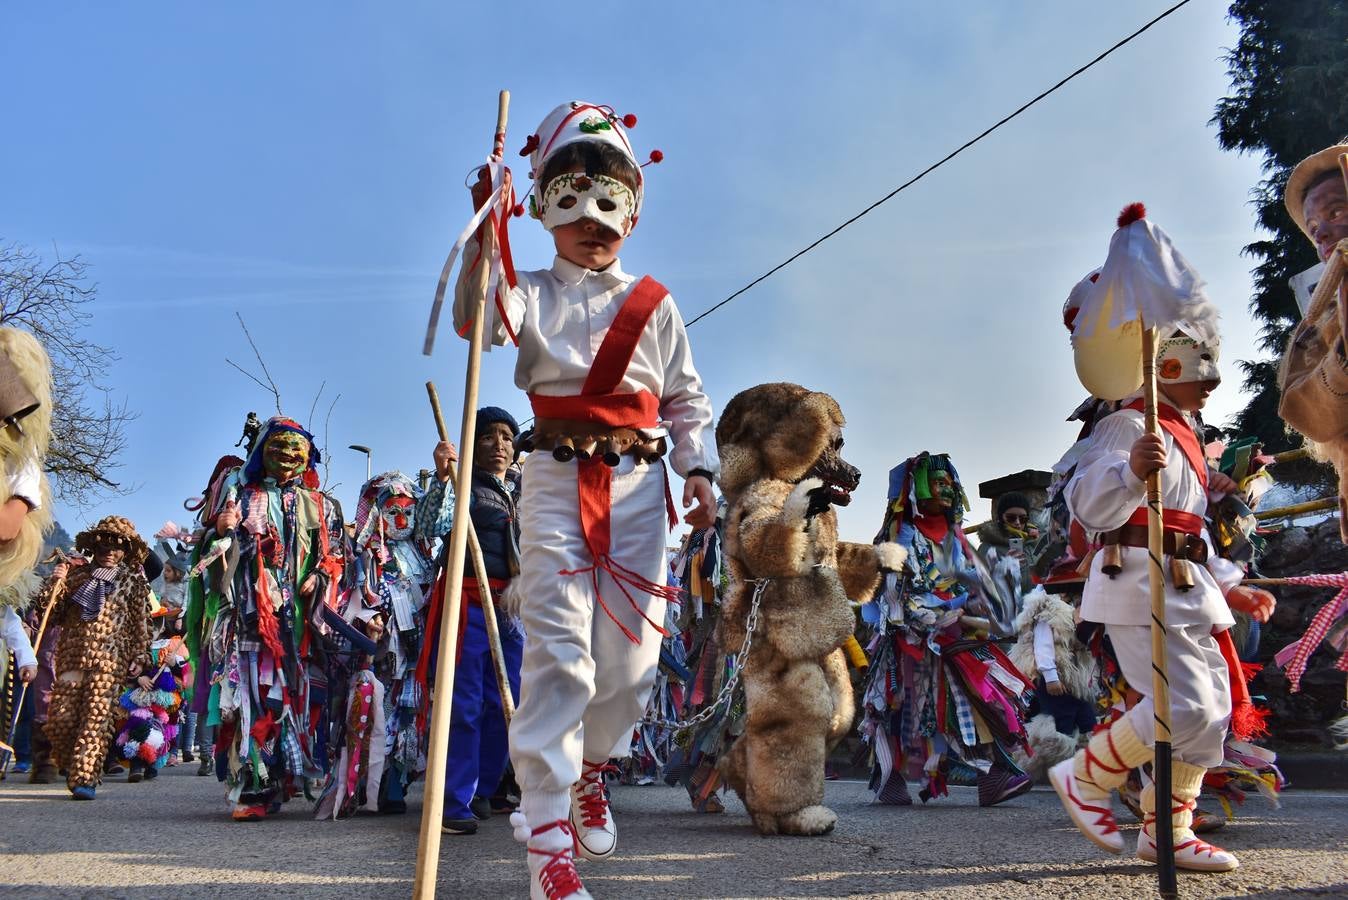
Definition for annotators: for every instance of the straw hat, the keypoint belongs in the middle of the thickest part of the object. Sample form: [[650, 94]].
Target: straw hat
[[115, 527], [1304, 175]]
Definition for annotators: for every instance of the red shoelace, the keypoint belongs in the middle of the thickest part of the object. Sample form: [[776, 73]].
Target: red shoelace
[[593, 799], [558, 876]]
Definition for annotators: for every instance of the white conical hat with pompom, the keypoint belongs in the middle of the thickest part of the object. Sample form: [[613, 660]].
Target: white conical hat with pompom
[[1145, 283]]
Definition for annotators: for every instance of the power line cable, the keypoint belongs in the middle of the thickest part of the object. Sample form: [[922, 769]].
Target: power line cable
[[936, 165]]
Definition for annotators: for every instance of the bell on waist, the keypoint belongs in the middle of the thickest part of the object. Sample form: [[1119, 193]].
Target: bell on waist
[[565, 451], [1181, 574], [1111, 559], [607, 450]]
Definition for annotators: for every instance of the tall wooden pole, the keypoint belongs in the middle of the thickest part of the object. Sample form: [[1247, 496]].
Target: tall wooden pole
[[483, 580], [428, 846], [1167, 884]]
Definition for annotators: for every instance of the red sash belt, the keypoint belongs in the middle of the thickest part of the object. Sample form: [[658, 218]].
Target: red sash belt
[[1171, 519], [635, 410], [599, 402]]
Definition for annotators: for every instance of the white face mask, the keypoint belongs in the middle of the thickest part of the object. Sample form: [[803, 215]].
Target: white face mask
[[573, 196], [1182, 359]]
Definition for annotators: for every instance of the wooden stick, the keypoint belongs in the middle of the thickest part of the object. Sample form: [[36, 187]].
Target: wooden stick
[[428, 844], [483, 584], [1167, 885], [1298, 509]]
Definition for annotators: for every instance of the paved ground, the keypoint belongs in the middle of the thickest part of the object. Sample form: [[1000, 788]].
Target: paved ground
[[171, 838]]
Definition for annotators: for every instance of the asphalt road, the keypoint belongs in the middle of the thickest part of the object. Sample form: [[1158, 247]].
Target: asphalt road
[[173, 838]]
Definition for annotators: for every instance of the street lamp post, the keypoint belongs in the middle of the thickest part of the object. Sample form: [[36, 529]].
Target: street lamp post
[[369, 470]]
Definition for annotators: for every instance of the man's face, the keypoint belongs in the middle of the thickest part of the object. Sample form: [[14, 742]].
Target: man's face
[[1326, 211], [585, 242], [285, 456], [398, 513], [495, 448], [108, 553], [942, 494]]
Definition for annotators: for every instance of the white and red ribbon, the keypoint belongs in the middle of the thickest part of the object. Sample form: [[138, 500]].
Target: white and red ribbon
[[1295, 656], [496, 214]]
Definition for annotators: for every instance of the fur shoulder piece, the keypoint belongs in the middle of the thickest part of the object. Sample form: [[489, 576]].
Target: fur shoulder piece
[[1039, 605]]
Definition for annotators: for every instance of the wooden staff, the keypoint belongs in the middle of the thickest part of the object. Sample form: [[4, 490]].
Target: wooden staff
[[483, 585], [1167, 884], [428, 845]]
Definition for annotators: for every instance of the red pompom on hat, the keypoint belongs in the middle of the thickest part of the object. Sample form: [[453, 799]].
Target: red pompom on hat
[[657, 156], [1133, 212], [630, 121]]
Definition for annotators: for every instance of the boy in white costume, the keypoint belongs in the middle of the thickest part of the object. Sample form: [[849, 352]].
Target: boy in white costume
[[1107, 495], [609, 373]]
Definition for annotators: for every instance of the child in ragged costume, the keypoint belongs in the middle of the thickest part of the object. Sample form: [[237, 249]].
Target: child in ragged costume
[[941, 700]]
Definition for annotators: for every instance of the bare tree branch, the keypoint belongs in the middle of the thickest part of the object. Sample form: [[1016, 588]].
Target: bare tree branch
[[309, 422], [327, 453], [258, 381], [50, 299], [260, 361]]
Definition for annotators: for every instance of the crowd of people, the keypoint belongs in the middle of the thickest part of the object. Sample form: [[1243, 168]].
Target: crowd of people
[[292, 652]]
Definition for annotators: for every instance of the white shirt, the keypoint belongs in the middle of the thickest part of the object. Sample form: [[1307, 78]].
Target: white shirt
[[561, 316], [15, 638], [1045, 657], [1104, 493]]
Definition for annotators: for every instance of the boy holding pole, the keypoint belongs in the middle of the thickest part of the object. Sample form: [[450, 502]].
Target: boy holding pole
[[609, 373], [1107, 496]]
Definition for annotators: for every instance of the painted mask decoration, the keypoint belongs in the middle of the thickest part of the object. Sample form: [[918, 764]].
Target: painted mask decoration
[[285, 456], [573, 196], [398, 514], [1182, 359]]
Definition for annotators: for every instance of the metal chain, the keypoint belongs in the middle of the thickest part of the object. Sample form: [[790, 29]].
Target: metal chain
[[727, 689]]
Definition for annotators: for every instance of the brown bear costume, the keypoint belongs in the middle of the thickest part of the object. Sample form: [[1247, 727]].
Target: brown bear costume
[[780, 471]]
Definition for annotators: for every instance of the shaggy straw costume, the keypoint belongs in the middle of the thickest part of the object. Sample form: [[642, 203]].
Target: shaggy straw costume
[[779, 454], [103, 615]]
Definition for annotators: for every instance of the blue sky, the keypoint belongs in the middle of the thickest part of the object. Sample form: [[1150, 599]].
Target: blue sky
[[304, 163]]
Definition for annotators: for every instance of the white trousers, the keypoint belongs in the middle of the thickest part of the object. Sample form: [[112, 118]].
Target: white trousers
[[1200, 691], [583, 683]]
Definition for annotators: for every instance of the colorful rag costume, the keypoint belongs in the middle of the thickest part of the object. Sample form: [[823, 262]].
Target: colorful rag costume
[[146, 735], [376, 748], [103, 613], [941, 700], [254, 628], [605, 361]]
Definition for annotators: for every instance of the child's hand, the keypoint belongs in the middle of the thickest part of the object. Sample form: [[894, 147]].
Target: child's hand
[[1255, 602], [445, 456], [228, 519], [704, 514], [27, 673], [145, 682], [1221, 484], [1147, 456], [481, 188], [1055, 688]]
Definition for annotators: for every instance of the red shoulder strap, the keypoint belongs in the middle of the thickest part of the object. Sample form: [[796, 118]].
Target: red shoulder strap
[[620, 343], [1179, 428]]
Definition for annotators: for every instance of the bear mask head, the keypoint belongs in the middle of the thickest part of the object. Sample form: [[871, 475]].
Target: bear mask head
[[785, 432]]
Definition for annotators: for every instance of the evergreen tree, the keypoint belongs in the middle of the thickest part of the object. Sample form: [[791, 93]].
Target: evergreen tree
[[1289, 98]]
